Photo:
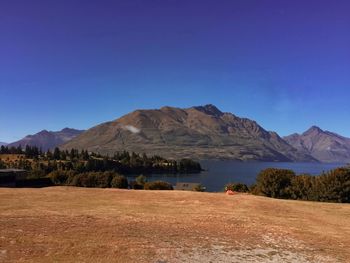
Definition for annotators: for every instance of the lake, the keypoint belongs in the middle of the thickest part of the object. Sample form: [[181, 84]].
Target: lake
[[218, 173]]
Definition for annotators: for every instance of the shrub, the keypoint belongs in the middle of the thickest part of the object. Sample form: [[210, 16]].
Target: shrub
[[302, 187], [79, 180], [93, 179], [141, 180], [253, 189], [237, 187], [119, 181], [333, 186], [103, 179], [35, 174], [189, 166], [2, 165], [60, 177], [135, 185], [158, 185], [275, 183], [199, 188]]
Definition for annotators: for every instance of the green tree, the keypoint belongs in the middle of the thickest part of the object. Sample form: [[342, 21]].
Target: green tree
[[141, 180], [237, 187], [275, 183], [302, 187], [158, 185], [57, 154], [119, 181]]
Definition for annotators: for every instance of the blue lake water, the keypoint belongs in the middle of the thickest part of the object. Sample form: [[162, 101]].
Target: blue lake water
[[219, 173]]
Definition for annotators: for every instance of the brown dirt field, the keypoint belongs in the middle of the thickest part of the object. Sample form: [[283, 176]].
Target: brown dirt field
[[66, 224]]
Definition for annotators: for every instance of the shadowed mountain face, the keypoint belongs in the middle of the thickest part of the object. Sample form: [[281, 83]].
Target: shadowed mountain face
[[47, 139], [198, 132], [325, 146]]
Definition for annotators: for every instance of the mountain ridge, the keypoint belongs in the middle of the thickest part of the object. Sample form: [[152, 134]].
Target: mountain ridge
[[47, 139], [202, 132], [323, 145]]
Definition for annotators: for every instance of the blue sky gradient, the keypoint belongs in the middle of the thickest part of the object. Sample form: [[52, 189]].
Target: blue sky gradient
[[285, 64]]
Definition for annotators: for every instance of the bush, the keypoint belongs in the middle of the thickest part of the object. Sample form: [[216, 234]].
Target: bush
[[2, 165], [35, 174], [93, 179], [60, 177], [199, 188], [141, 180], [135, 185], [119, 181], [302, 187], [333, 186], [237, 187], [158, 185], [275, 183], [189, 166], [253, 189]]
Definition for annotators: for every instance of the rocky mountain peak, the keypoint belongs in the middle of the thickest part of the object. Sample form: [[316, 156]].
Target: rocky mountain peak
[[323, 145], [200, 132], [47, 139], [209, 109], [68, 130], [313, 130]]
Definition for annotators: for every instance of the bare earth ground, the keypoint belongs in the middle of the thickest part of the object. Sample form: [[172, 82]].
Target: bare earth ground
[[65, 224]]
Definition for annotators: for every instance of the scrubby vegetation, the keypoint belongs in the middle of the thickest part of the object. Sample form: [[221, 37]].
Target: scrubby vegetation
[[119, 181], [333, 186], [158, 185], [199, 188], [86, 169], [39, 163], [237, 187]]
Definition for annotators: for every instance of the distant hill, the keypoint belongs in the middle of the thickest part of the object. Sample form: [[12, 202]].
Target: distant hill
[[3, 143], [47, 139], [323, 145], [198, 132]]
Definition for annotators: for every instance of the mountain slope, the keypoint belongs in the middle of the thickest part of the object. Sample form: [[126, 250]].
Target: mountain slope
[[3, 143], [47, 139], [197, 132], [323, 145]]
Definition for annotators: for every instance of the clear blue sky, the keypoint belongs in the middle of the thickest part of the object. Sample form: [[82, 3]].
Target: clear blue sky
[[285, 64]]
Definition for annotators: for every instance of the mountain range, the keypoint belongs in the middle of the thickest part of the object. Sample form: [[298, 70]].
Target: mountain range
[[325, 146], [202, 132], [47, 139], [3, 143]]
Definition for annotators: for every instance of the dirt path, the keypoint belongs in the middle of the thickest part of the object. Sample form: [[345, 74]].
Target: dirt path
[[64, 224]]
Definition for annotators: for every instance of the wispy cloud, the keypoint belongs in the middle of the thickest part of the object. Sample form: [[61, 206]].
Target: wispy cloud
[[131, 128]]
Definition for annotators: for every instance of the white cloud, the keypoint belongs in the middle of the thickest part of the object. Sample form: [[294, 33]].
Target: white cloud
[[132, 129]]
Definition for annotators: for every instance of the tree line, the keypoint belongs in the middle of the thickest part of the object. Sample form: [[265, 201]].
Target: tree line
[[105, 180], [39, 163], [333, 186]]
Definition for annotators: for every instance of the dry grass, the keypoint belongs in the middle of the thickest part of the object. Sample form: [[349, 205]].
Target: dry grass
[[65, 224], [11, 157]]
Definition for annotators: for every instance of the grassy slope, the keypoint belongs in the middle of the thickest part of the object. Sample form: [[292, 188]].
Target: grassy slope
[[65, 224]]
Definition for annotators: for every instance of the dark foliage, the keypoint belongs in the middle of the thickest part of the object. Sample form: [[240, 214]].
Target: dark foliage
[[119, 181], [275, 183], [199, 188], [33, 158], [333, 186], [158, 185], [237, 187], [135, 185]]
